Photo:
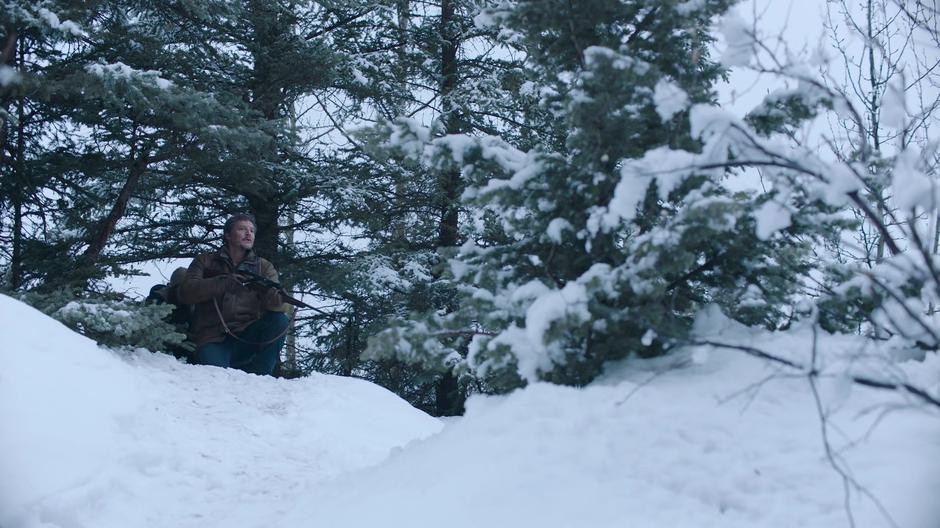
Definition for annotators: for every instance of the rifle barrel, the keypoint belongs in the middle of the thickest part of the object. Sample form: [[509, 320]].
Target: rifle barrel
[[268, 283]]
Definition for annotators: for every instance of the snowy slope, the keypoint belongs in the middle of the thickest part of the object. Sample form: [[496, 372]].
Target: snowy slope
[[91, 439], [702, 446]]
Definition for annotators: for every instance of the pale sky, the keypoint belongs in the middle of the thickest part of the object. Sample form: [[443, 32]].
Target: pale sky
[[798, 23]]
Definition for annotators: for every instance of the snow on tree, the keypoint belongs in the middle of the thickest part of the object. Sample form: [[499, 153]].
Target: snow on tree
[[608, 235]]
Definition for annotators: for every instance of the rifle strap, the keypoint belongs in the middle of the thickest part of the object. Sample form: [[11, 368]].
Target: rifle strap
[[228, 331]]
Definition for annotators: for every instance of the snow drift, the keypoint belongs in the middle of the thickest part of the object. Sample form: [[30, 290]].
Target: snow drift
[[92, 438], [729, 443]]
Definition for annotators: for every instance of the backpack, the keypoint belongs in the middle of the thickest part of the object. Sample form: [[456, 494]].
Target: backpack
[[180, 317]]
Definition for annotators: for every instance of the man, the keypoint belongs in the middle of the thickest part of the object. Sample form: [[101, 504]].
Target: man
[[234, 324]]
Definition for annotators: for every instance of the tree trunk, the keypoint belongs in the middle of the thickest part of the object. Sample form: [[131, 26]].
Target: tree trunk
[[398, 229], [8, 56], [352, 342], [19, 185], [138, 165], [449, 400], [16, 261], [267, 97], [404, 24], [19, 179], [450, 184], [874, 115], [290, 345], [266, 211]]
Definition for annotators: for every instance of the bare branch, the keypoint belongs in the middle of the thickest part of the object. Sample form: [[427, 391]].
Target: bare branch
[[919, 393]]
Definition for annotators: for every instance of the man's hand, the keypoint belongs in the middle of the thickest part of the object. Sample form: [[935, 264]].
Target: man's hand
[[270, 296], [253, 284]]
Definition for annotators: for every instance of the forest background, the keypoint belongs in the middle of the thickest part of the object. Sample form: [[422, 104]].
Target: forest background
[[478, 194]]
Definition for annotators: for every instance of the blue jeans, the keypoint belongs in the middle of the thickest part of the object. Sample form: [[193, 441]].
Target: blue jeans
[[251, 352]]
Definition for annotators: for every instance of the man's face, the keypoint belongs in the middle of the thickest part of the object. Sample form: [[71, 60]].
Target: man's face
[[241, 235]]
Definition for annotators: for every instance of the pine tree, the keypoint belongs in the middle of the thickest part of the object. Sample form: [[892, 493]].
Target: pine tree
[[448, 75], [586, 250], [111, 120], [34, 37], [111, 320]]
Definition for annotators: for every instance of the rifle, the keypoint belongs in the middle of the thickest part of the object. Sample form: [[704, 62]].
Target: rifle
[[253, 278]]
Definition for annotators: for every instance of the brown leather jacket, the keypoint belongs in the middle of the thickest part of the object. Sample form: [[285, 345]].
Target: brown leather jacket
[[210, 283]]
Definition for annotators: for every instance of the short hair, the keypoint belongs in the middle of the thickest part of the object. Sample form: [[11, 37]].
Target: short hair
[[238, 217]]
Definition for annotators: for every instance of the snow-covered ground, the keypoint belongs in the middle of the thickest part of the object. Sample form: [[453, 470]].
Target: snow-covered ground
[[92, 438]]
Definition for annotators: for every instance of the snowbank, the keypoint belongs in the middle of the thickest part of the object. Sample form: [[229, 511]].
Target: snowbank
[[62, 401], [92, 439], [731, 442]]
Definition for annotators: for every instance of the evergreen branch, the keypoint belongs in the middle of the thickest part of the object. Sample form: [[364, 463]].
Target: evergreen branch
[[336, 25], [643, 25], [707, 265]]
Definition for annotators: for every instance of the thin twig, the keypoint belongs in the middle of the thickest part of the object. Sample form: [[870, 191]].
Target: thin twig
[[918, 392], [676, 366], [848, 481]]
